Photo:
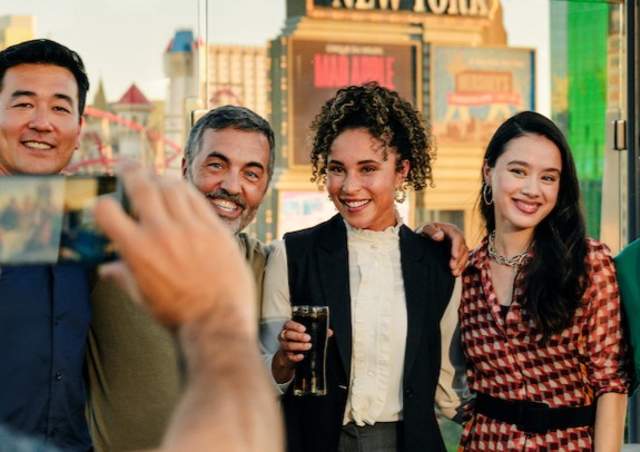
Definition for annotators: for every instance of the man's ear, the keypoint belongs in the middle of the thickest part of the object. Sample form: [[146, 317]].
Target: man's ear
[[80, 127]]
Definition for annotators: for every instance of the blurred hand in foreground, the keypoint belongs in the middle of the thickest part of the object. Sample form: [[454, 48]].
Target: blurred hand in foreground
[[177, 255], [181, 261]]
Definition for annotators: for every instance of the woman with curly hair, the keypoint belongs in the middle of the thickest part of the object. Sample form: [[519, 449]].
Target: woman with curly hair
[[540, 309], [388, 289]]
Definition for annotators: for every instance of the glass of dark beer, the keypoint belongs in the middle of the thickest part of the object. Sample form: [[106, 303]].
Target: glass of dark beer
[[310, 377]]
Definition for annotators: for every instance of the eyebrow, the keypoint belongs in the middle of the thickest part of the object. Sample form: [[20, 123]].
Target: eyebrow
[[224, 158], [20, 93], [520, 162], [255, 165], [361, 162], [217, 155]]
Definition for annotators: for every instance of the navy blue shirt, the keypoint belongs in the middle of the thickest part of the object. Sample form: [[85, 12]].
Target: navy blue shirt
[[44, 319]]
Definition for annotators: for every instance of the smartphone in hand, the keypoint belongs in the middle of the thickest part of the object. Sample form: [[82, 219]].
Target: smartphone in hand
[[49, 219]]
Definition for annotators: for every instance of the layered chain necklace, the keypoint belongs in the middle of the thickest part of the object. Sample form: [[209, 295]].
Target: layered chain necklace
[[513, 261]]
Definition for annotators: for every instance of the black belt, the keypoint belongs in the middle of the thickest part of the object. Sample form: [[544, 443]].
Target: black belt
[[534, 417]]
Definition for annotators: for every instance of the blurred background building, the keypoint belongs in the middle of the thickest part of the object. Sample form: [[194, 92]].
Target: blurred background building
[[206, 76], [15, 29]]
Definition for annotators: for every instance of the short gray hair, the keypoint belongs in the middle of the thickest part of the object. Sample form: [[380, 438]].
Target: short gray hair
[[229, 117]]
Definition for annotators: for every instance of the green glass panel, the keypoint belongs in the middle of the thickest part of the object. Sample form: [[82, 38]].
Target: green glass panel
[[579, 37]]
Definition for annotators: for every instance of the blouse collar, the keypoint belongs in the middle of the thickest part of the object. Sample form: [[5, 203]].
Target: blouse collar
[[390, 233]]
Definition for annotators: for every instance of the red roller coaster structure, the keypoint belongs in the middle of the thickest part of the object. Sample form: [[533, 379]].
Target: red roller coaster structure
[[107, 163]]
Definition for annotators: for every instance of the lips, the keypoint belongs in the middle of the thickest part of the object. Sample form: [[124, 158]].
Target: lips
[[355, 205], [528, 208]]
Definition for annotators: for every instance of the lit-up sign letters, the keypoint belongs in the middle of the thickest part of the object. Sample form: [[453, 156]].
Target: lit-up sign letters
[[439, 7], [332, 70]]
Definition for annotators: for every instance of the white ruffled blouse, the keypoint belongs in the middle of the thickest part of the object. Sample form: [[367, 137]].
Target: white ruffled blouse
[[379, 328]]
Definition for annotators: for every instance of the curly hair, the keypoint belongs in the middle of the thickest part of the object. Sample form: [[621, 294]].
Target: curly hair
[[387, 117]]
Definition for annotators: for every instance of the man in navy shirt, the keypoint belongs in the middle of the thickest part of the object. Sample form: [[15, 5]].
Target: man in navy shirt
[[44, 309]]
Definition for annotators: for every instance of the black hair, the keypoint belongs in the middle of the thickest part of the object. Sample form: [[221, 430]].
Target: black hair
[[46, 51], [556, 277], [229, 117]]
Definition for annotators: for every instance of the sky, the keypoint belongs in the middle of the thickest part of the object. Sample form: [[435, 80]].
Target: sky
[[122, 41]]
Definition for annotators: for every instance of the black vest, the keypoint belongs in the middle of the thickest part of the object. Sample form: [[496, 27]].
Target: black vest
[[319, 275]]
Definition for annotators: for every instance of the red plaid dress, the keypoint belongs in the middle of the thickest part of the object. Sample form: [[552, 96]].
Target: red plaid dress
[[506, 360]]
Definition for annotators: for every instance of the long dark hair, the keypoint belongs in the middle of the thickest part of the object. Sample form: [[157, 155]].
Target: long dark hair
[[555, 279]]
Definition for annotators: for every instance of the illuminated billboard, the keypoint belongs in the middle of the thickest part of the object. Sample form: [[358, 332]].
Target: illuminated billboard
[[319, 68], [475, 89]]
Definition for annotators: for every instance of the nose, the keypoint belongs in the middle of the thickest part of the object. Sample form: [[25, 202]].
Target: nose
[[231, 182], [40, 120], [531, 187], [350, 184]]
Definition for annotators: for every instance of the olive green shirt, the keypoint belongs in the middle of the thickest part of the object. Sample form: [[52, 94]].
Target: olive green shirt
[[133, 364]]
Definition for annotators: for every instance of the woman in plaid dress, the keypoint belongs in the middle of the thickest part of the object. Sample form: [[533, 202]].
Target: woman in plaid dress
[[540, 310]]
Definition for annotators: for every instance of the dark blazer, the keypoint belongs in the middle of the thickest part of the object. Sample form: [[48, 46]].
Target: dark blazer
[[319, 275]]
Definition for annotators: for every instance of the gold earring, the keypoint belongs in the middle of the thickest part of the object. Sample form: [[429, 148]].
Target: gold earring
[[400, 195]]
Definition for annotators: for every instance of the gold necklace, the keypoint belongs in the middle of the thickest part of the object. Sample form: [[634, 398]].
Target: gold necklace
[[513, 261]]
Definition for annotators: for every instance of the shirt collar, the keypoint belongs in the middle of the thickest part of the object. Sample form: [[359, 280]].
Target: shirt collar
[[479, 256]]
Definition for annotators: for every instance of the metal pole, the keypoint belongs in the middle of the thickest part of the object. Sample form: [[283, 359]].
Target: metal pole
[[633, 90]]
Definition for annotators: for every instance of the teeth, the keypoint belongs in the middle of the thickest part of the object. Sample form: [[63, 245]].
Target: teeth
[[354, 204], [225, 205], [37, 145]]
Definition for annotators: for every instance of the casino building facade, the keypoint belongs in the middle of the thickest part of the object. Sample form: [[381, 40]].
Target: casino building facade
[[448, 58]]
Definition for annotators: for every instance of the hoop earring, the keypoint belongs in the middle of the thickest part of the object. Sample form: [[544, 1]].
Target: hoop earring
[[487, 194], [400, 195]]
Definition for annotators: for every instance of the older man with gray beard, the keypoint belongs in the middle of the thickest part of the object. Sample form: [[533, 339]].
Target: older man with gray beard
[[134, 372]]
